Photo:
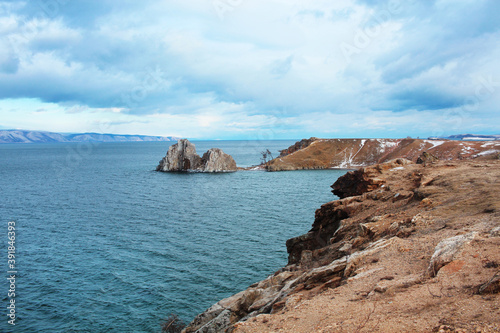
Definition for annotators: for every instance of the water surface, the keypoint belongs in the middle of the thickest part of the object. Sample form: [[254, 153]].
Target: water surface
[[105, 244]]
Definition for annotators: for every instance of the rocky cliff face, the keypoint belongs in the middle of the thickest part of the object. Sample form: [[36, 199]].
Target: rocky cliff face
[[409, 247], [352, 153], [182, 157], [304, 143]]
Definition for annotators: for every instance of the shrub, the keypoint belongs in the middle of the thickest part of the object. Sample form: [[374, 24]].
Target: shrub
[[173, 324]]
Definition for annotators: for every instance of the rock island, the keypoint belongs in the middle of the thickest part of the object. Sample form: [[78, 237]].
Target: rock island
[[182, 157]]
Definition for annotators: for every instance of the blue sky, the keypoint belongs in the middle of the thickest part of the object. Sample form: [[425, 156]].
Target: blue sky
[[251, 69]]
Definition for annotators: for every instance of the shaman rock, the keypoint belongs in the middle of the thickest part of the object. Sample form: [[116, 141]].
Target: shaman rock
[[182, 157], [215, 160]]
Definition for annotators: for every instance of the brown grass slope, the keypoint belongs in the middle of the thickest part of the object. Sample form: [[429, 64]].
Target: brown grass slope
[[316, 153]]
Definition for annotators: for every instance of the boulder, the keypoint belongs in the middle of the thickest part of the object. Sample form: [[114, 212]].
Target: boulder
[[365, 179], [426, 157], [215, 160], [446, 250], [182, 157]]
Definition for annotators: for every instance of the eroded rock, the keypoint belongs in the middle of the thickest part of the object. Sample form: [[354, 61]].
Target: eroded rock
[[182, 157], [426, 157], [364, 179], [445, 252], [215, 160]]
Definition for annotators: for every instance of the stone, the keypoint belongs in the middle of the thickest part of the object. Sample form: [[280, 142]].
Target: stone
[[218, 324], [215, 160], [257, 299], [365, 179], [182, 157], [426, 157], [322, 274], [495, 232], [446, 250], [203, 318]]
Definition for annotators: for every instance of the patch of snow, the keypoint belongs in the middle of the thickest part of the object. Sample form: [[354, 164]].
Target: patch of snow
[[348, 161], [384, 144], [434, 143], [474, 138], [487, 152], [397, 168], [489, 144]]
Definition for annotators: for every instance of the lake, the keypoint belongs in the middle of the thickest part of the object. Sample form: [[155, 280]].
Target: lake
[[106, 244]]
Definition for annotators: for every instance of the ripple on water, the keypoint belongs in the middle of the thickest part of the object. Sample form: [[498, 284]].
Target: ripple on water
[[110, 246]]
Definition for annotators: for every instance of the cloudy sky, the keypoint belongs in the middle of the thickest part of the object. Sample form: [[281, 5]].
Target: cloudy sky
[[251, 69]]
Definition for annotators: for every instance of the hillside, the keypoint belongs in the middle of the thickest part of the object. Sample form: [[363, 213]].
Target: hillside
[[473, 137], [22, 136], [408, 248], [317, 153]]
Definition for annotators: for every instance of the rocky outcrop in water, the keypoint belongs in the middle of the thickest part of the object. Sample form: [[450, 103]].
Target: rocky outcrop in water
[[408, 248], [182, 157], [215, 160]]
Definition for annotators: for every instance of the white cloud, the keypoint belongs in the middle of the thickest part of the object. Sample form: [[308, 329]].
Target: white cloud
[[337, 68]]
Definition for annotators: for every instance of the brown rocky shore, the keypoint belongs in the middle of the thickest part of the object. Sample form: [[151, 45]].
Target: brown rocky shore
[[407, 248], [317, 153]]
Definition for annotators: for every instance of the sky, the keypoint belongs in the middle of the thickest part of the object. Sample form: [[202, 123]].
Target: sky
[[251, 69]]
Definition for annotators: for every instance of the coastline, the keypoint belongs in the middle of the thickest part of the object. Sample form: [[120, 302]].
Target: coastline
[[376, 248], [315, 153]]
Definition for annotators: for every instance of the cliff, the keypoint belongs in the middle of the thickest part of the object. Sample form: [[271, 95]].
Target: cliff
[[317, 153], [182, 157], [408, 247]]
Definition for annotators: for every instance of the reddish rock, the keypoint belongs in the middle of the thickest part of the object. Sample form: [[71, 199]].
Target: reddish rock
[[364, 179]]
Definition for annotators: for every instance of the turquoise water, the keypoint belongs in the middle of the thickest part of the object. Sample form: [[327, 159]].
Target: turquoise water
[[105, 244]]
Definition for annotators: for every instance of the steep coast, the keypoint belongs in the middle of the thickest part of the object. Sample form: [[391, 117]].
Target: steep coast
[[407, 248], [317, 153]]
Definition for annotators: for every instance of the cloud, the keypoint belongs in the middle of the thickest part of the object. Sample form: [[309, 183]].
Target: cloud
[[236, 71], [9, 64], [281, 67]]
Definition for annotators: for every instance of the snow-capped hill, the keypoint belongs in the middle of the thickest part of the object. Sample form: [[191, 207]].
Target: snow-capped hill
[[22, 136], [472, 137]]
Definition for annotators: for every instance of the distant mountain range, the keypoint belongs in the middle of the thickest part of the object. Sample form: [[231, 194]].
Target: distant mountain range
[[471, 137], [21, 136]]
